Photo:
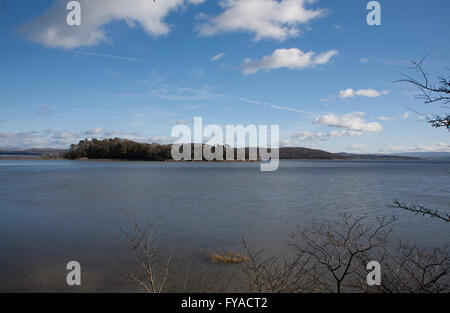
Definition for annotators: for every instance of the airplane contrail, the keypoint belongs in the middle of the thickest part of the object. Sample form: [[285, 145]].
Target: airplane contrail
[[110, 56]]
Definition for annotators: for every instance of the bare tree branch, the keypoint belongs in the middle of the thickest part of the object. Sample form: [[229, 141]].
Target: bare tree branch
[[276, 274], [430, 93], [415, 270], [152, 261], [338, 248], [422, 211]]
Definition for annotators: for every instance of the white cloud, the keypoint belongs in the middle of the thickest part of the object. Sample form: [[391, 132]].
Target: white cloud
[[265, 18], [288, 58], [307, 135], [95, 131], [351, 122], [364, 60], [344, 133], [51, 29], [386, 118], [359, 147], [404, 116], [163, 140], [22, 139], [286, 143], [347, 93], [217, 57], [371, 93]]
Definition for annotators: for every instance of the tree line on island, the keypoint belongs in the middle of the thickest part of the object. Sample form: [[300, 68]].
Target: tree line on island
[[123, 149]]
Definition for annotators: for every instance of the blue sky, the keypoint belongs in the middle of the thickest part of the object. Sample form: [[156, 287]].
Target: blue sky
[[134, 69]]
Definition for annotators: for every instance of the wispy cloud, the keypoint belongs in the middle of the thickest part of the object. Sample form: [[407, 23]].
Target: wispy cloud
[[391, 118], [278, 107], [217, 57], [307, 136], [370, 93], [386, 118], [178, 93], [46, 110], [110, 56], [63, 139], [406, 115]]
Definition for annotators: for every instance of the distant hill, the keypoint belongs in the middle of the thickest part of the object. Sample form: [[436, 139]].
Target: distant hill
[[400, 156], [355, 156], [427, 155], [39, 152], [292, 153]]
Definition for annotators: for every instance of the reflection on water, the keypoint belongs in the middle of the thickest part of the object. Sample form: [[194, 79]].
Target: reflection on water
[[52, 212]]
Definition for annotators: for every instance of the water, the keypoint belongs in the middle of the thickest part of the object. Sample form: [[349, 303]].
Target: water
[[53, 212]]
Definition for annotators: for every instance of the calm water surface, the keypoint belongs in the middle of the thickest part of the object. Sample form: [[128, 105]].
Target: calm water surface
[[52, 212]]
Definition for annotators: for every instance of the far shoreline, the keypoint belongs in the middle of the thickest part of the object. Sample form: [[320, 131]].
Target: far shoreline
[[204, 161]]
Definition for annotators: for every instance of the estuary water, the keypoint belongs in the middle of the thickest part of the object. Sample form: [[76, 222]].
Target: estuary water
[[53, 212]]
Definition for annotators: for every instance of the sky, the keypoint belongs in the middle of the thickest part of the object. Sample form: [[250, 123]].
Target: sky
[[134, 69]]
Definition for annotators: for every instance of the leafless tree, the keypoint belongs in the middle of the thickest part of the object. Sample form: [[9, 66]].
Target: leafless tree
[[276, 274], [155, 268], [339, 249], [411, 269], [332, 257], [329, 256], [430, 92], [152, 261]]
